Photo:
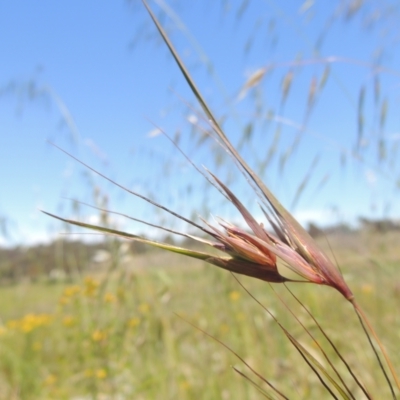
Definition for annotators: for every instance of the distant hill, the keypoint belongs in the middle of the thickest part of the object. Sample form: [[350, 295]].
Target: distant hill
[[23, 262], [62, 258]]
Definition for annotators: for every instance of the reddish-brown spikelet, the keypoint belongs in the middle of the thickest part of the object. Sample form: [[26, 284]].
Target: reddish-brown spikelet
[[306, 255], [293, 245]]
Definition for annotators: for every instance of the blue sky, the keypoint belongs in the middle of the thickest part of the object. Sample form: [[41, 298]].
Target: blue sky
[[94, 78]]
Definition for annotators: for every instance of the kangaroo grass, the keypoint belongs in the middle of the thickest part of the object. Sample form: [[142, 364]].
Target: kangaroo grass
[[308, 358], [255, 253], [359, 384], [313, 261], [316, 342]]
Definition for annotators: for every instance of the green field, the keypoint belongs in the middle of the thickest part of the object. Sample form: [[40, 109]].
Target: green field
[[118, 334]]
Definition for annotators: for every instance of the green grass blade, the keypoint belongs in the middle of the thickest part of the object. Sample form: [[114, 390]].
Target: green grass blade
[[175, 249]]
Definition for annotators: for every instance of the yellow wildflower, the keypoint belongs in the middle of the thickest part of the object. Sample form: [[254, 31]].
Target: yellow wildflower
[[133, 322], [91, 286], [144, 308], [29, 322], [367, 289], [109, 298], [101, 373], [71, 291], [69, 321], [98, 335], [50, 380], [63, 300], [234, 295]]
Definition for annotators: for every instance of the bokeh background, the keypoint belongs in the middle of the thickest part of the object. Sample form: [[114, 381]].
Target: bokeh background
[[307, 92]]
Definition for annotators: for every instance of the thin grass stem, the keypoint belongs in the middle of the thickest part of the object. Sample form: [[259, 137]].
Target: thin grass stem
[[238, 356], [313, 338], [363, 319], [360, 385], [293, 341], [258, 387], [291, 338]]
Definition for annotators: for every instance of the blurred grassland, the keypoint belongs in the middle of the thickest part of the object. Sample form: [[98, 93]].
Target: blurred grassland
[[116, 334]]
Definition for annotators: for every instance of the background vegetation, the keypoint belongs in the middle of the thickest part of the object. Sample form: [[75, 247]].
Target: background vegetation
[[116, 333]]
